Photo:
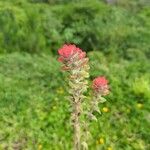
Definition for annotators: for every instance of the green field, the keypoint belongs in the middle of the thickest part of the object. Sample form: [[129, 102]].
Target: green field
[[34, 110]]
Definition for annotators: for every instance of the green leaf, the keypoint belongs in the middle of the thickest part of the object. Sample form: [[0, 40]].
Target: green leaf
[[85, 146], [102, 99]]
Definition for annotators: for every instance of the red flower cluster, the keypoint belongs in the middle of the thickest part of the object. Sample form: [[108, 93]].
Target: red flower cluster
[[100, 85], [68, 51]]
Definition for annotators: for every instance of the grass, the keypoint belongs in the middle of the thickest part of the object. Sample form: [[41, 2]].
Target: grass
[[34, 111]]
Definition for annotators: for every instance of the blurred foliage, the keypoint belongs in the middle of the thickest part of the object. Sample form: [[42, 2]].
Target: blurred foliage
[[93, 25], [141, 87], [34, 110]]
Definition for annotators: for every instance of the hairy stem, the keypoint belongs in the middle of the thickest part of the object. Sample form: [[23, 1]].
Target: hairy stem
[[76, 113]]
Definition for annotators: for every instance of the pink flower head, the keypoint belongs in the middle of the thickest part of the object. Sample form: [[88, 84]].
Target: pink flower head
[[100, 85], [68, 51]]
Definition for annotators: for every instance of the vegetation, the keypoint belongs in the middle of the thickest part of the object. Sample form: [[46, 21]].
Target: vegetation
[[34, 111]]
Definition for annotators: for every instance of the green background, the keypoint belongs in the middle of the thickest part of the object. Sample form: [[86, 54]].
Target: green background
[[34, 110]]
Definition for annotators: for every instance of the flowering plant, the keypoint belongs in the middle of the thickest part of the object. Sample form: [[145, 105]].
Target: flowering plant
[[74, 61]]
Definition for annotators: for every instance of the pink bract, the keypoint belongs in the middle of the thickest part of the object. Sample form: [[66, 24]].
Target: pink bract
[[67, 51], [100, 84]]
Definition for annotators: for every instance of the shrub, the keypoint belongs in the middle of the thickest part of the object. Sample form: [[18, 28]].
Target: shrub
[[93, 25], [141, 87]]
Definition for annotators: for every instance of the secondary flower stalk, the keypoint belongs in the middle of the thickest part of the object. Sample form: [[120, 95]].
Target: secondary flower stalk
[[100, 88]]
